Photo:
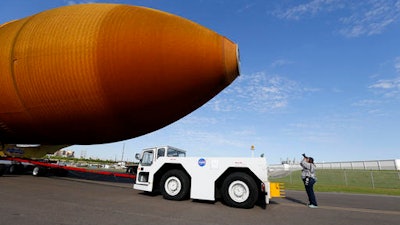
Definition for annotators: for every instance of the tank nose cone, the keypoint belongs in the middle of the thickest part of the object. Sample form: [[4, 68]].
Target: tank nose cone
[[232, 60]]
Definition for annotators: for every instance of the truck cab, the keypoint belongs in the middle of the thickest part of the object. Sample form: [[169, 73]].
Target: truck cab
[[150, 156]]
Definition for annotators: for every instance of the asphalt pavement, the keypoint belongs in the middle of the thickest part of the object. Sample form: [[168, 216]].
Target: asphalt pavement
[[28, 200]]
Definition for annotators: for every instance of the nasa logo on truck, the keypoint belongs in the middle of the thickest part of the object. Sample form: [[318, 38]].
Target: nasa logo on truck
[[202, 162]]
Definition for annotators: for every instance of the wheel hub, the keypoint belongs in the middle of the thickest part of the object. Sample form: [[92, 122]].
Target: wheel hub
[[239, 191], [173, 186]]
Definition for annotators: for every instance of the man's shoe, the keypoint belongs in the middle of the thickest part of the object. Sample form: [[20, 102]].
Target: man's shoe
[[313, 206]]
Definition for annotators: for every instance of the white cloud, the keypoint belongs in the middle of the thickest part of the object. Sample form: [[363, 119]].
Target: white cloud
[[245, 8], [280, 63], [199, 120], [209, 138], [366, 103], [397, 64], [371, 17], [387, 84], [257, 92], [311, 8], [78, 2], [387, 87], [367, 17], [322, 131], [386, 93]]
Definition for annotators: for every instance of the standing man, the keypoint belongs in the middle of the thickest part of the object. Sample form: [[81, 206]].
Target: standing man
[[309, 179]]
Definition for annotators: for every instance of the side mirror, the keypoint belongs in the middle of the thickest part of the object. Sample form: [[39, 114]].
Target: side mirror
[[137, 156]]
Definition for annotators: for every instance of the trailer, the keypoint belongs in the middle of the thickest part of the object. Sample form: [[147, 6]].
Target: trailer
[[44, 167], [239, 182]]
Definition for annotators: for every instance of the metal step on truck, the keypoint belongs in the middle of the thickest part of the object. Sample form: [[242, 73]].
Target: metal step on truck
[[239, 182]]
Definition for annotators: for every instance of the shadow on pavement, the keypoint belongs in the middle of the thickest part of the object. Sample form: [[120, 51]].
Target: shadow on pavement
[[295, 200]]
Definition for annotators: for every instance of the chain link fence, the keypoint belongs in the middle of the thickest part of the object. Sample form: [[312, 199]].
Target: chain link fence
[[351, 178], [390, 164]]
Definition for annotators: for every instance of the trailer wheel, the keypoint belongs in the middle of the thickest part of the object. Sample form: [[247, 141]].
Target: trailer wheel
[[12, 169], [129, 169], [239, 190], [37, 171], [2, 169], [175, 185], [61, 172], [16, 169]]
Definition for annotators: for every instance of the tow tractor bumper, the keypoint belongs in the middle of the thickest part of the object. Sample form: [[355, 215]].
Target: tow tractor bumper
[[272, 190], [143, 187]]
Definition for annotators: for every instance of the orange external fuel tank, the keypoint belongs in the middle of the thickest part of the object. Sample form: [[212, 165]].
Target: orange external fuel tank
[[99, 73]]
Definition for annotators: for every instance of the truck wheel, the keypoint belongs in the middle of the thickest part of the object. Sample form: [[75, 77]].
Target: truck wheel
[[175, 185], [239, 190]]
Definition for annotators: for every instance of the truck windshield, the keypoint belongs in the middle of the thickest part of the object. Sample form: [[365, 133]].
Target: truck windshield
[[175, 153], [147, 158]]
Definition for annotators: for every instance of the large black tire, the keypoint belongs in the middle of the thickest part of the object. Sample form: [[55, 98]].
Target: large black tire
[[131, 169], [175, 185], [239, 190], [2, 169], [12, 169], [60, 172], [16, 169]]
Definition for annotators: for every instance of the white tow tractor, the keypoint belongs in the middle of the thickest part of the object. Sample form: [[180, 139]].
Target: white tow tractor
[[240, 182]]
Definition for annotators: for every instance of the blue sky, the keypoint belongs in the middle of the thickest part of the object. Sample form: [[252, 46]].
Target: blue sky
[[320, 77]]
